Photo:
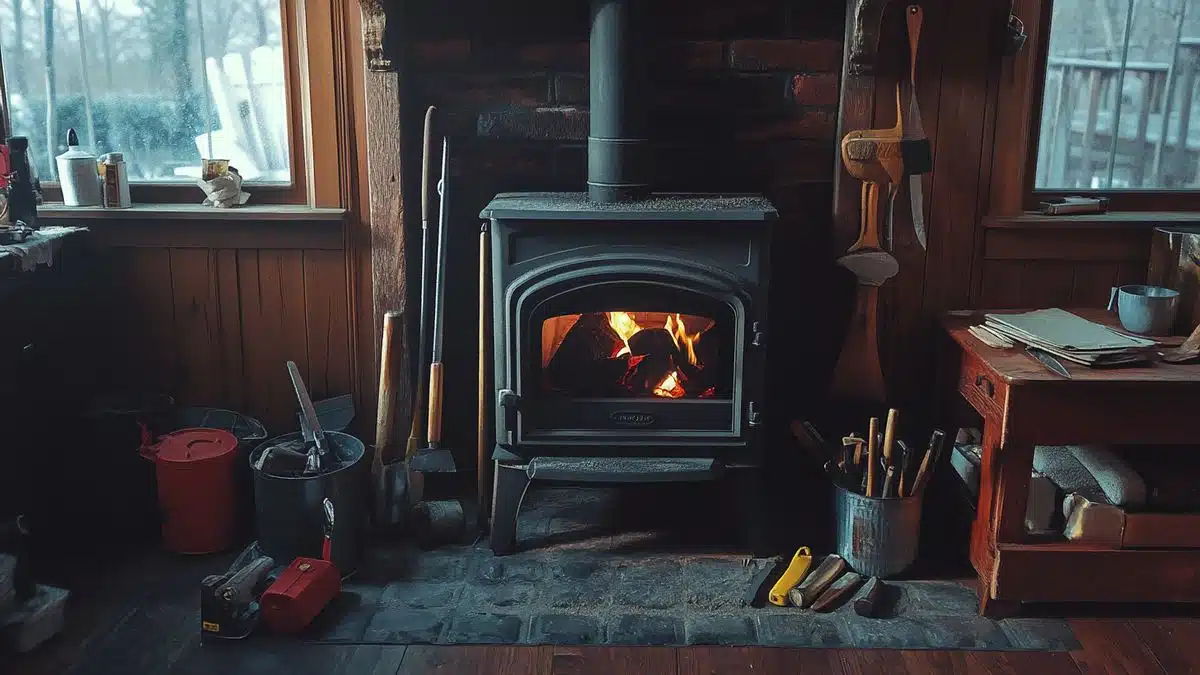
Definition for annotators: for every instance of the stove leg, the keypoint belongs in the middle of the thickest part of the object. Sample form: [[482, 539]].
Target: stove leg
[[509, 485], [749, 492]]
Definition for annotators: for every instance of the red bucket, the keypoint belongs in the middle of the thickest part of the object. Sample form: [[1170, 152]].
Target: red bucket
[[196, 492]]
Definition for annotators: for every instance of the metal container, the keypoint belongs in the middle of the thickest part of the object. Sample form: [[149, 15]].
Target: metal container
[[877, 537], [288, 509]]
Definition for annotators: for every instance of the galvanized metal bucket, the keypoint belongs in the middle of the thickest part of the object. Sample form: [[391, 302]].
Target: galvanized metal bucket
[[877, 537], [290, 516]]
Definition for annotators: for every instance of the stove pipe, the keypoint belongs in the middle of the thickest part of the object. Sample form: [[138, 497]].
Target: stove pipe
[[618, 143]]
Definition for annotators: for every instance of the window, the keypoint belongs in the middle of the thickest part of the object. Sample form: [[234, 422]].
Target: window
[[1121, 104], [166, 82]]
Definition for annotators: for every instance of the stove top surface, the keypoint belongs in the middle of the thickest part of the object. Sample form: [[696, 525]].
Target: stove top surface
[[658, 207]]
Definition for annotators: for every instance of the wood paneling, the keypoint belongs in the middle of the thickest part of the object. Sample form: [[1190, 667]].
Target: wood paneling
[[215, 326], [1042, 265]]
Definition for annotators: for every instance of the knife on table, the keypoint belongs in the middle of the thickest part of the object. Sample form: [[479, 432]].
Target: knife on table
[[1049, 360], [915, 19]]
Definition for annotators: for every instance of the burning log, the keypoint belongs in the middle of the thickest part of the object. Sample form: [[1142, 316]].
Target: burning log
[[616, 354], [586, 354]]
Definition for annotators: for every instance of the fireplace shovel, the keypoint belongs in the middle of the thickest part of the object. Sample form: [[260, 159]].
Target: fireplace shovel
[[434, 458]]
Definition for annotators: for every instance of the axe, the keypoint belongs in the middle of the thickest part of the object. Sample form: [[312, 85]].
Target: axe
[[888, 156]]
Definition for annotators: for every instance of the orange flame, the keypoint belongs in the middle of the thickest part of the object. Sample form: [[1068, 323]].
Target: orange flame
[[684, 341], [670, 386], [625, 326]]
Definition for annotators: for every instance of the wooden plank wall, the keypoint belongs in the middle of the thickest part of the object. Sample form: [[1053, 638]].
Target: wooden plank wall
[[1046, 266], [214, 325]]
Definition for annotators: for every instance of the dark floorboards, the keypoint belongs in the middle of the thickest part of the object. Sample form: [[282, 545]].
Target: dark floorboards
[[1108, 647]]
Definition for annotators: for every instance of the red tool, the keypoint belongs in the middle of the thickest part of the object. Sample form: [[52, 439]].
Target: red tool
[[304, 589]]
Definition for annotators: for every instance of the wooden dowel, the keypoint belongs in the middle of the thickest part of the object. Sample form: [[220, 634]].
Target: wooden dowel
[[872, 456], [889, 435], [922, 477]]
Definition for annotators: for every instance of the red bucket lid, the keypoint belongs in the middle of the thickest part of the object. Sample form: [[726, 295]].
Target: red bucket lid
[[195, 445]]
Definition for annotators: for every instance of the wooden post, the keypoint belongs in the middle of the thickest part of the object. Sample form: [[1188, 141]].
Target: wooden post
[[389, 284], [1149, 80], [1096, 87], [1056, 173], [1176, 175]]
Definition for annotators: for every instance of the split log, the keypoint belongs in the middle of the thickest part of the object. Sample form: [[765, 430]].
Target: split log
[[588, 346]]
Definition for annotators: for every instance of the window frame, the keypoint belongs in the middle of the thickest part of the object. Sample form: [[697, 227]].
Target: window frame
[[1022, 85], [309, 101]]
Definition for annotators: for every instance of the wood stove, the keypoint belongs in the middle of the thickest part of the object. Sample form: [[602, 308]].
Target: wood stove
[[629, 327], [630, 340]]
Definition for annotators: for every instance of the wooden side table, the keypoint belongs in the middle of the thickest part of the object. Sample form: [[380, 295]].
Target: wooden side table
[[1022, 405]]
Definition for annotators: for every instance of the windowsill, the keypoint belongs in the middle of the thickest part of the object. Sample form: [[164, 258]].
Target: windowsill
[[1112, 219], [59, 213]]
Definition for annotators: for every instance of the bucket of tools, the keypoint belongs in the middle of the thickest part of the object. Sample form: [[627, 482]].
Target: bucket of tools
[[879, 484], [288, 502], [877, 536]]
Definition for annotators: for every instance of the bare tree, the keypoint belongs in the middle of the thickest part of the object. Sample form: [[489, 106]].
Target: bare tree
[[16, 69], [104, 11], [48, 44], [83, 74]]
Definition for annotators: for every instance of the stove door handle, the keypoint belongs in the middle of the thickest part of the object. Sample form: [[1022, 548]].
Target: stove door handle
[[507, 403]]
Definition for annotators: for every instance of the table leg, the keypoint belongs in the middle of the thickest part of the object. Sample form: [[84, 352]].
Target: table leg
[[1000, 514], [997, 609]]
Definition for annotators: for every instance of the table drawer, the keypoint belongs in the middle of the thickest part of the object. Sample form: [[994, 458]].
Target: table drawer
[[981, 387]]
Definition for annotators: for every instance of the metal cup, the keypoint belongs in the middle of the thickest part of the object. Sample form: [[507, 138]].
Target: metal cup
[[1146, 310]]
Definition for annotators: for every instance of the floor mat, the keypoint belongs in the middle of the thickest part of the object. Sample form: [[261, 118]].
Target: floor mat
[[579, 581]]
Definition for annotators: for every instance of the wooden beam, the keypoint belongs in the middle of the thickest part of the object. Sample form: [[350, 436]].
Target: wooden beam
[[385, 180]]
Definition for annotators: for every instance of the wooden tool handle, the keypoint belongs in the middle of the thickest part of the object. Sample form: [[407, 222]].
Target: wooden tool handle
[[385, 415], [916, 16], [482, 458], [935, 442], [426, 164], [889, 435], [868, 229], [434, 430], [872, 455]]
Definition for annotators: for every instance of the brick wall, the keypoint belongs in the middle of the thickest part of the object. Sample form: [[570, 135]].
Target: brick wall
[[744, 99]]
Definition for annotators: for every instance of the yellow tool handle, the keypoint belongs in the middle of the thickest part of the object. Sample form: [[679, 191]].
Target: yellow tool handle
[[801, 562]]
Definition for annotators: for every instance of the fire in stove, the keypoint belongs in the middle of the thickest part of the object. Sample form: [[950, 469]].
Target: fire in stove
[[631, 354]]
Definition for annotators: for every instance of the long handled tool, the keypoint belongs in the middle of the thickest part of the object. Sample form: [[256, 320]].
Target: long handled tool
[[483, 460], [391, 482], [434, 458], [416, 435]]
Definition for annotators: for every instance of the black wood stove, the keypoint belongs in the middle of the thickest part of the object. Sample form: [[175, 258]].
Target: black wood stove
[[629, 326]]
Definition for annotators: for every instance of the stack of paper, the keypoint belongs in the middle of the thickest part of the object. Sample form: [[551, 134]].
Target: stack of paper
[[1071, 337]]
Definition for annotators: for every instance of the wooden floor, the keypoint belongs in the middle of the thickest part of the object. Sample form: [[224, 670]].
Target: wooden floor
[[1116, 646]]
